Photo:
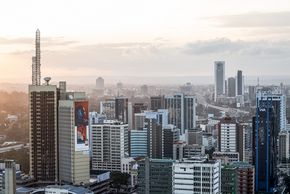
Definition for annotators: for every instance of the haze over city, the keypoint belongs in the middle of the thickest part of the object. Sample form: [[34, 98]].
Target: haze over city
[[145, 97], [145, 39]]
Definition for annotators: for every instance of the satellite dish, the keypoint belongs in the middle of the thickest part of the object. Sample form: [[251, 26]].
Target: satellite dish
[[47, 80]]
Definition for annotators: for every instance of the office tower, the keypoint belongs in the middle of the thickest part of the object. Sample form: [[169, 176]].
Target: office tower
[[231, 87], [43, 131], [154, 123], [109, 145], [108, 108], [137, 108], [138, 143], [230, 136], [139, 121], [240, 88], [73, 134], [252, 95], [144, 90], [196, 175], [157, 102], [246, 177], [194, 136], [247, 142], [10, 177], [182, 150], [219, 73], [170, 136], [238, 177], [284, 146], [269, 120], [155, 176], [288, 108], [226, 157], [62, 90], [100, 83], [182, 111], [36, 74], [121, 109], [228, 179], [100, 86]]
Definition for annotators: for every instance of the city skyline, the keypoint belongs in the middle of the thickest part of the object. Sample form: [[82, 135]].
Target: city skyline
[[177, 38]]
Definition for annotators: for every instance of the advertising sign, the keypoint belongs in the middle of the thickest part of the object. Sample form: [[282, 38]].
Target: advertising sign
[[81, 126]]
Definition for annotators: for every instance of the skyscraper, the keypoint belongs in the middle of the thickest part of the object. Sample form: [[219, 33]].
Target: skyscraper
[[74, 159], [43, 129], [157, 102], [43, 124], [121, 109], [36, 74], [219, 72], [182, 110], [269, 120], [231, 87], [240, 83], [100, 86]]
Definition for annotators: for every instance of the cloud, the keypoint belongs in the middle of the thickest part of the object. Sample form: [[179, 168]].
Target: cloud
[[45, 41], [224, 46], [254, 20]]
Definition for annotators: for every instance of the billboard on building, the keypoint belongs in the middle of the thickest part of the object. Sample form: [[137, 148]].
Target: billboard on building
[[81, 126]]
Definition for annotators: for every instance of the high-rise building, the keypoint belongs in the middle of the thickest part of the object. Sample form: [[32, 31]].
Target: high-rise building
[[100, 86], [219, 72], [182, 111], [231, 87], [36, 73], [43, 131], [284, 141], [108, 108], [144, 90], [153, 124], [196, 175], [137, 108], [238, 177], [230, 136], [170, 136], [155, 176], [194, 136], [10, 177], [109, 142], [121, 109], [138, 143], [73, 134], [157, 102], [269, 120], [240, 88], [182, 150]]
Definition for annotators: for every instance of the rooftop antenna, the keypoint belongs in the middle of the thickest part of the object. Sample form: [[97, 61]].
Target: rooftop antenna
[[47, 80]]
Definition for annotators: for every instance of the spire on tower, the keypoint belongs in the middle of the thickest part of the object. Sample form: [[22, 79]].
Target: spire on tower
[[36, 73]]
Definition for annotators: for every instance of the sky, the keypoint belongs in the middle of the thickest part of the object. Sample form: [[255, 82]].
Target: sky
[[144, 38]]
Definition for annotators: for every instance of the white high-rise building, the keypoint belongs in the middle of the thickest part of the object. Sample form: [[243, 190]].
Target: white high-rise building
[[109, 145], [228, 135], [196, 175], [219, 73]]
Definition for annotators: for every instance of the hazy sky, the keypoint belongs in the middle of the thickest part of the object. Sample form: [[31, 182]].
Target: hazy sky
[[144, 38]]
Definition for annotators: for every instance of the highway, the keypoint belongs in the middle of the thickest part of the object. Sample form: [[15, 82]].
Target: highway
[[13, 147], [201, 100]]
